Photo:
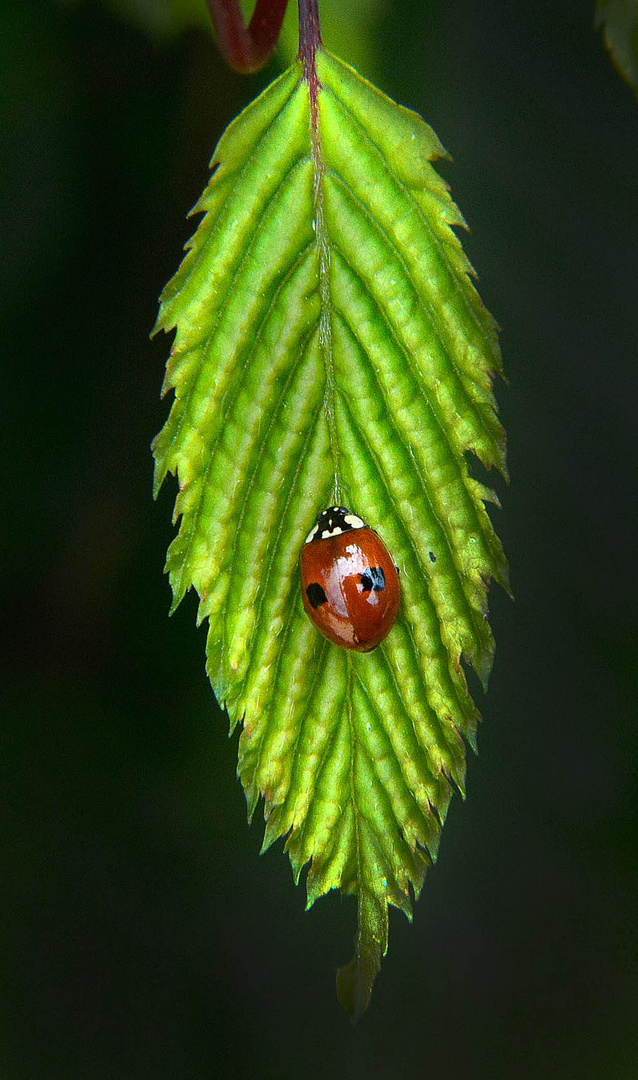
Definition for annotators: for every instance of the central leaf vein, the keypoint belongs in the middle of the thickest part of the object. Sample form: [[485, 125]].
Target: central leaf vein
[[323, 250], [257, 451]]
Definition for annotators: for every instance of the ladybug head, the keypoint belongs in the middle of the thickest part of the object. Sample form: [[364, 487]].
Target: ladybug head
[[332, 522]]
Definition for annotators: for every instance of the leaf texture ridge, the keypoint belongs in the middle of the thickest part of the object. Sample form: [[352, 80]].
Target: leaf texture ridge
[[330, 345]]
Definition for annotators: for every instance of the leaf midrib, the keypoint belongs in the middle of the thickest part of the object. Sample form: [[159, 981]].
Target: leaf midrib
[[256, 454], [324, 247]]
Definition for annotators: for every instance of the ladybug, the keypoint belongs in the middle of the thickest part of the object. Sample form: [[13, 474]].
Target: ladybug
[[349, 583]]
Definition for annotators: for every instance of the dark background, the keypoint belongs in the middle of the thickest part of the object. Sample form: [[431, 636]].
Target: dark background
[[141, 936]]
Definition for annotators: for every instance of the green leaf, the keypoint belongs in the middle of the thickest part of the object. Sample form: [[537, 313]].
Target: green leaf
[[330, 346], [619, 19]]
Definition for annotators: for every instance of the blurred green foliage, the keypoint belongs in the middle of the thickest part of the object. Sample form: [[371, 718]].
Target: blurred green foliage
[[162, 20], [350, 27], [619, 20]]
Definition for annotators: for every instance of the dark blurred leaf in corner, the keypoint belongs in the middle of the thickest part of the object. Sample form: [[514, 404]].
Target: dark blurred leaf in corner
[[42, 197], [619, 20], [160, 19]]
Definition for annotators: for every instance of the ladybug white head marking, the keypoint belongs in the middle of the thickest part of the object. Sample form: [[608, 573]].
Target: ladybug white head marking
[[333, 522]]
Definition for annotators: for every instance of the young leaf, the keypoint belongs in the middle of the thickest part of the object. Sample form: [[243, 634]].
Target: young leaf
[[330, 347]]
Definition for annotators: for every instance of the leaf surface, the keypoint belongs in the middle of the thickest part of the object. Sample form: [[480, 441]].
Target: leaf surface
[[330, 346]]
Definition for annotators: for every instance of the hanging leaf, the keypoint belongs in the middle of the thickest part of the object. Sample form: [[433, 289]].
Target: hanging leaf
[[330, 346]]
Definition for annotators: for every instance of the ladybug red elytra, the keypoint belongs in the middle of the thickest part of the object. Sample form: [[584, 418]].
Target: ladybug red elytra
[[349, 583]]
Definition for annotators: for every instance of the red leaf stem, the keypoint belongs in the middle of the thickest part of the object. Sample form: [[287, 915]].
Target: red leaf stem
[[247, 49]]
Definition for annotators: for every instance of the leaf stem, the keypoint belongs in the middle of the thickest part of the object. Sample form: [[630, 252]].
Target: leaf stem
[[309, 35], [247, 49], [309, 42]]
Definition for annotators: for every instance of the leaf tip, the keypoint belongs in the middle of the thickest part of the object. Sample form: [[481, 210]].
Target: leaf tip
[[355, 979], [178, 596], [353, 995]]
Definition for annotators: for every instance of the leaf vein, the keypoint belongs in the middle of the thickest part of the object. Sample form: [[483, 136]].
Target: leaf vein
[[422, 300], [195, 513], [321, 765], [211, 220], [388, 738], [473, 616], [220, 302], [410, 196], [256, 452], [274, 547]]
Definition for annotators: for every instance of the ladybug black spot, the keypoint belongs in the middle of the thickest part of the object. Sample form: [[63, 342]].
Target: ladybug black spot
[[374, 578], [316, 595]]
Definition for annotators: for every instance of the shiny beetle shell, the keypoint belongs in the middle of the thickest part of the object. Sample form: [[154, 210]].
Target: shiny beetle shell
[[349, 583]]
